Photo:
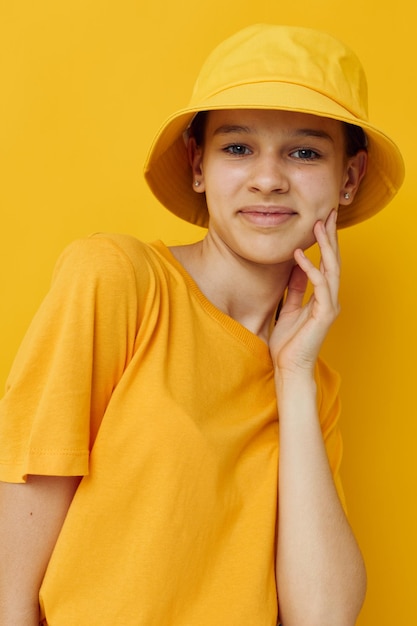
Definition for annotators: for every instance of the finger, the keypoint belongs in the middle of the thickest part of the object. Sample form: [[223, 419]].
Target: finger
[[296, 289], [329, 250], [331, 228], [325, 285]]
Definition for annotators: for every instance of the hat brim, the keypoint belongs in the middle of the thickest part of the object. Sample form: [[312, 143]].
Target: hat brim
[[169, 175]]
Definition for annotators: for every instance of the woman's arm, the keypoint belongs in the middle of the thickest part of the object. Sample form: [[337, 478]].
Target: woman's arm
[[320, 572], [31, 517]]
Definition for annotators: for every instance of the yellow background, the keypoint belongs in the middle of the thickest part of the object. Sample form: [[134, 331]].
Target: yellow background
[[84, 85]]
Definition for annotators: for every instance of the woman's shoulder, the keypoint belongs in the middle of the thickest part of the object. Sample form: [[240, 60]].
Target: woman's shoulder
[[102, 246], [106, 254]]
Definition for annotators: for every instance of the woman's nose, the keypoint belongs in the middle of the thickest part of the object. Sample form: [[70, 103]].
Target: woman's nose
[[268, 175]]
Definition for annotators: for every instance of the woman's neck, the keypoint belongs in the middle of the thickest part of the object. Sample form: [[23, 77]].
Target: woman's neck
[[246, 291]]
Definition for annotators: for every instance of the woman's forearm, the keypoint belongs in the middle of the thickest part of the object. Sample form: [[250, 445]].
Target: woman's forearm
[[320, 571], [17, 615], [31, 517]]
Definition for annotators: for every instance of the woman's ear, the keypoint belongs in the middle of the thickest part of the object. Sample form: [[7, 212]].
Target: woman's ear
[[195, 157], [355, 171]]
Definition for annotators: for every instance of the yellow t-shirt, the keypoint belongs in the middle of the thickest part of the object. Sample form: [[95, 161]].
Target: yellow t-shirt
[[131, 378]]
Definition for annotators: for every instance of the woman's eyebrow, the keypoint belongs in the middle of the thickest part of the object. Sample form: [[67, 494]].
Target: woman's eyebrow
[[313, 132], [226, 129], [231, 128]]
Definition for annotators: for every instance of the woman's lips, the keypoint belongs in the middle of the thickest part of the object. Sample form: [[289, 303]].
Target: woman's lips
[[267, 216]]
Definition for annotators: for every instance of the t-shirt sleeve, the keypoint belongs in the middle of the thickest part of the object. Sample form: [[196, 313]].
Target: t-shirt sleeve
[[329, 406], [70, 360]]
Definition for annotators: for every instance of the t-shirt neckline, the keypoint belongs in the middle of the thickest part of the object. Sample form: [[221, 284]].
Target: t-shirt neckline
[[243, 334]]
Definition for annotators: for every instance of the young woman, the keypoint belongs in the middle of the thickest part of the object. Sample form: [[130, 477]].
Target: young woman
[[169, 441]]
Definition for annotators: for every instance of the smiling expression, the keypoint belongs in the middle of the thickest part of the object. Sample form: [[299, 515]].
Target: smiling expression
[[268, 177]]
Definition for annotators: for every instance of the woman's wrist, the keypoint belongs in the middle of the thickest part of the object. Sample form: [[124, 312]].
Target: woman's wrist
[[295, 376], [296, 395]]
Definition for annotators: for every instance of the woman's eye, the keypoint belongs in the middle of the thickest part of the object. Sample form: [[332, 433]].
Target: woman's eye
[[237, 149], [306, 154]]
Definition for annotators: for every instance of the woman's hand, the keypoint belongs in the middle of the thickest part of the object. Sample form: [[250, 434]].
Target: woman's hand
[[301, 329]]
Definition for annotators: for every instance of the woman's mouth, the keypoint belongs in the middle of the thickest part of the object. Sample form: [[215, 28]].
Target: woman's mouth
[[267, 215]]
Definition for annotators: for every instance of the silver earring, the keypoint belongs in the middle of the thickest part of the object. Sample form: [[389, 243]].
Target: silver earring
[[196, 183], [347, 195]]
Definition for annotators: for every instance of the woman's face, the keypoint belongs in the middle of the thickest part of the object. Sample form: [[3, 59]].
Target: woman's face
[[268, 177]]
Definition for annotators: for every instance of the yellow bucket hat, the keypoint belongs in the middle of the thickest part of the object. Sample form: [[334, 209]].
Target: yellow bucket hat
[[276, 67]]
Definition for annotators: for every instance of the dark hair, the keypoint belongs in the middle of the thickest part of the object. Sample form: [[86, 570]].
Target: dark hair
[[356, 139], [198, 126], [355, 136]]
